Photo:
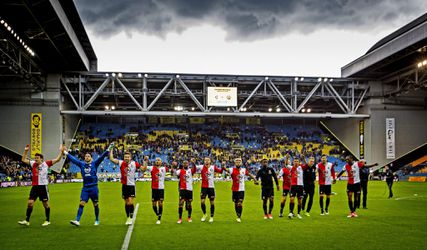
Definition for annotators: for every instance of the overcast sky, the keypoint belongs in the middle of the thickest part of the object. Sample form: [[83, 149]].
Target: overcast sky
[[256, 37]]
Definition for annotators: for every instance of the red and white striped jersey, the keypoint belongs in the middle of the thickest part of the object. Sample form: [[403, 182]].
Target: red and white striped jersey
[[297, 175], [127, 172], [185, 178], [157, 176], [353, 172], [40, 172], [326, 173], [285, 172], [208, 173], [238, 177]]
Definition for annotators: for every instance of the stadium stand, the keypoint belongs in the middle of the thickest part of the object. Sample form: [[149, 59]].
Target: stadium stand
[[173, 143]]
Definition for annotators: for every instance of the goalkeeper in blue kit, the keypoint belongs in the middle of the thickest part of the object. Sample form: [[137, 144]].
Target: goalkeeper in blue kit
[[89, 171]]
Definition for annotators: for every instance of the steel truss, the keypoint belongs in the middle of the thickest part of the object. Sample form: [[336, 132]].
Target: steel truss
[[15, 62], [407, 86], [95, 93]]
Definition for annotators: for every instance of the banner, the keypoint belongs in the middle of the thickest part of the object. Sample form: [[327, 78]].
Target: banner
[[36, 133], [222, 96], [389, 138], [152, 120], [197, 120], [167, 120], [362, 139], [253, 121]]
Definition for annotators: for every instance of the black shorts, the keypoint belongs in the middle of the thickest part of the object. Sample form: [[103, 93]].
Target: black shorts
[[285, 192], [40, 192], [209, 192], [238, 195], [128, 191], [186, 195], [354, 188], [157, 194], [297, 191], [267, 193], [325, 189]]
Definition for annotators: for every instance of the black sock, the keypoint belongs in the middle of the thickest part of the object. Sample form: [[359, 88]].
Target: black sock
[[321, 203], [155, 210], [357, 201], [350, 205], [47, 213], [299, 208], [212, 210], [204, 208], [270, 207], [127, 210], [96, 208], [309, 204], [131, 209], [180, 212], [236, 208], [282, 206], [328, 200], [291, 207], [189, 209], [29, 211], [160, 212], [304, 200], [264, 206], [240, 211]]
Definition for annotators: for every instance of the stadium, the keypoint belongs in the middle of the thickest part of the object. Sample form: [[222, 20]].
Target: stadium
[[146, 132]]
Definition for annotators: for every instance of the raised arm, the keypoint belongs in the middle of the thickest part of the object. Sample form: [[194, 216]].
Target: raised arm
[[58, 158], [193, 166], [224, 167], [303, 159], [24, 155], [101, 158], [370, 166], [144, 164], [111, 157], [72, 158]]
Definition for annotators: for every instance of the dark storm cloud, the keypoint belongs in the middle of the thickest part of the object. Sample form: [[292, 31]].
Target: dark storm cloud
[[244, 20]]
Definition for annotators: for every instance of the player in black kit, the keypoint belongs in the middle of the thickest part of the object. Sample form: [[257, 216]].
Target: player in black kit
[[267, 174]]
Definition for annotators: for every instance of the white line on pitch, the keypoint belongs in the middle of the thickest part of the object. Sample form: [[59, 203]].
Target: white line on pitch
[[130, 229], [410, 197]]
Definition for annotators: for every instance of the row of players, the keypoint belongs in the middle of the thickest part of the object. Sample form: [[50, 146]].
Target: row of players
[[292, 175]]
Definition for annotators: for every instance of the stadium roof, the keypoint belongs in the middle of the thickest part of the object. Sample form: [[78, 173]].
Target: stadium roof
[[398, 51], [53, 30]]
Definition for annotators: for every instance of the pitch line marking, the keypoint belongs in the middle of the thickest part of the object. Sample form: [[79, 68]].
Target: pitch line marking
[[410, 197], [130, 229]]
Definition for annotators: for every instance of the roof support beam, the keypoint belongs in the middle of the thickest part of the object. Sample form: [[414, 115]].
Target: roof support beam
[[191, 95], [129, 94], [95, 95], [337, 96], [280, 96], [360, 100], [190, 114], [252, 94], [159, 95], [70, 31], [71, 95], [308, 97]]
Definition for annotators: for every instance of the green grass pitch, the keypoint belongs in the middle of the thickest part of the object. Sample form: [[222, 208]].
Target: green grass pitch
[[387, 223]]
